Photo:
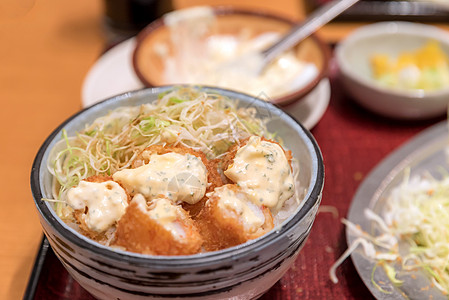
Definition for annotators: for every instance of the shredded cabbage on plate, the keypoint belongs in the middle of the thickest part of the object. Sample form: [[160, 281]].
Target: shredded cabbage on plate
[[413, 232]]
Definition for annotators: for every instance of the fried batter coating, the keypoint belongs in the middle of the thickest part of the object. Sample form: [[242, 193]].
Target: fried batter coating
[[229, 219], [162, 228], [79, 214], [214, 179]]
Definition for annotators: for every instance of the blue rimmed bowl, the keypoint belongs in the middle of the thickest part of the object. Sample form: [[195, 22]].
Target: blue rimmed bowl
[[245, 271]]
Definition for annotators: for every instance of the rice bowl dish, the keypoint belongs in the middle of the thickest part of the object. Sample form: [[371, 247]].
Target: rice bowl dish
[[145, 178], [109, 271]]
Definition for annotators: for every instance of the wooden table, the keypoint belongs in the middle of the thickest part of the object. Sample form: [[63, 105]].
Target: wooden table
[[47, 49]]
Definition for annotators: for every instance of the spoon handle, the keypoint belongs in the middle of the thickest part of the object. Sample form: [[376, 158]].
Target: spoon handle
[[318, 18]]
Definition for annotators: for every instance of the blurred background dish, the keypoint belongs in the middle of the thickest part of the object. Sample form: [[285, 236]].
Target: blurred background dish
[[423, 156], [213, 36], [443, 4], [113, 74], [397, 69], [389, 10]]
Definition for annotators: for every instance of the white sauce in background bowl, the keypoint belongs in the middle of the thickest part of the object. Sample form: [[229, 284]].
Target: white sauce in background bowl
[[199, 57]]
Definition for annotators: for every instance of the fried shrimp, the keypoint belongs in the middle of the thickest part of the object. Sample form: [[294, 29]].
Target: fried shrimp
[[177, 172], [161, 228], [229, 218], [98, 202], [263, 170]]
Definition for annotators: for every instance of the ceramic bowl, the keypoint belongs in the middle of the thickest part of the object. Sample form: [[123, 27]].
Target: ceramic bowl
[[391, 38], [149, 65], [245, 271]]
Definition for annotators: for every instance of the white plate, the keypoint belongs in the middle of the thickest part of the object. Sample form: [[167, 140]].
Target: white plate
[[309, 110], [113, 74], [425, 153]]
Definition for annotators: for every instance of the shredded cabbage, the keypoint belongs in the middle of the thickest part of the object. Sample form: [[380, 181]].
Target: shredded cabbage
[[207, 122], [416, 215]]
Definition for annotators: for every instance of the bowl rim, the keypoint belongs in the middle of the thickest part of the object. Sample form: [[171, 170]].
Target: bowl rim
[[236, 252], [294, 96], [403, 28]]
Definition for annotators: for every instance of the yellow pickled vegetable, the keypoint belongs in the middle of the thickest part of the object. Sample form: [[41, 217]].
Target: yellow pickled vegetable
[[426, 68]]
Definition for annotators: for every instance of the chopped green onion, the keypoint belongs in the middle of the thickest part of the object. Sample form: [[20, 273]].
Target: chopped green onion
[[174, 100]]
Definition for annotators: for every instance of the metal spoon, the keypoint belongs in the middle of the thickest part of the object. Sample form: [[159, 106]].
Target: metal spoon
[[318, 18], [255, 62]]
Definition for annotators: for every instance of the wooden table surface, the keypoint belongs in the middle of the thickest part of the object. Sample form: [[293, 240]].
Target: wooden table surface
[[47, 47]]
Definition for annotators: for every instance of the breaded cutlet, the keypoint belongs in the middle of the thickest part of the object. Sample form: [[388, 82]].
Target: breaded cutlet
[[224, 224], [79, 214], [143, 230]]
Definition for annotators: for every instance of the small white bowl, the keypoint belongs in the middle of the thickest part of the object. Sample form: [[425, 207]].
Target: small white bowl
[[390, 38]]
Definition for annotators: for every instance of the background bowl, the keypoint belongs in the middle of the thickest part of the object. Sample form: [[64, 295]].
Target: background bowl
[[149, 65], [391, 38], [247, 270]]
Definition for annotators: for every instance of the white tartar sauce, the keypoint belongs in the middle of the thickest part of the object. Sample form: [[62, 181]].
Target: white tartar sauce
[[261, 170], [106, 202], [251, 215], [176, 176]]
